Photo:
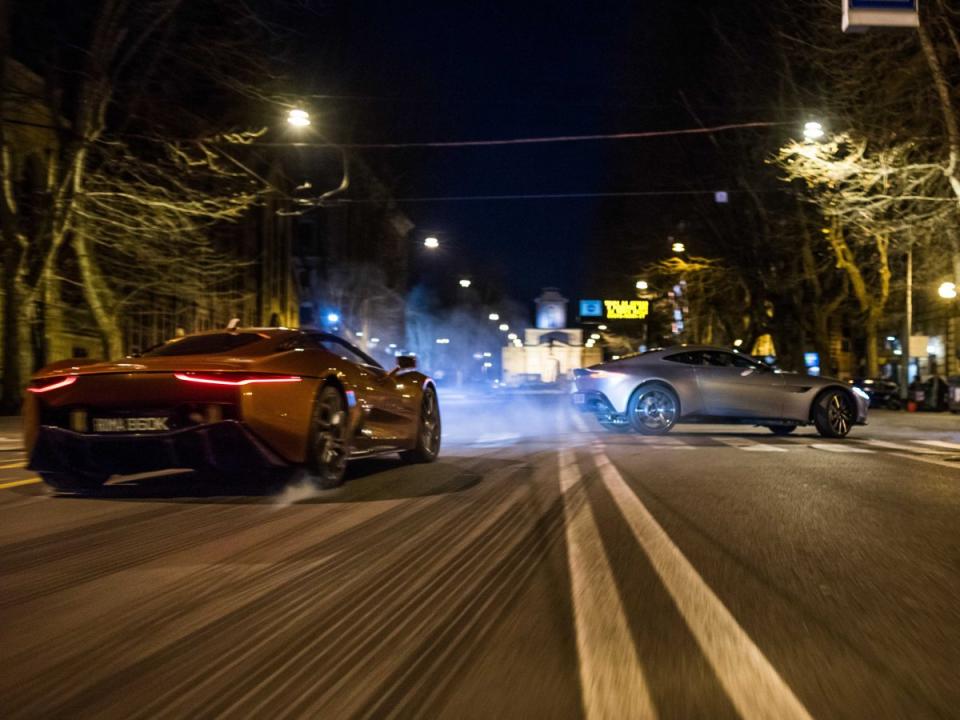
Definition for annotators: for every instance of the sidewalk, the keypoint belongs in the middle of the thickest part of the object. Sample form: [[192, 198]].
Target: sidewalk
[[10, 434]]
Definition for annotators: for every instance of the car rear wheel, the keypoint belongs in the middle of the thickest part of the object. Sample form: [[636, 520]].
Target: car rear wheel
[[781, 429], [329, 445], [833, 414], [428, 431], [653, 410], [68, 482]]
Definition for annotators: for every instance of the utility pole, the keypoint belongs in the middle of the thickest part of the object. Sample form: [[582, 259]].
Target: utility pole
[[907, 327]]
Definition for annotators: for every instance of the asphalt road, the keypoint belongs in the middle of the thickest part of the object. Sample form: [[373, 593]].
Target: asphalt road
[[541, 569]]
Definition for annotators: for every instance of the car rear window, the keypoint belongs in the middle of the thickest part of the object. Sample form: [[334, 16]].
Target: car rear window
[[205, 344]]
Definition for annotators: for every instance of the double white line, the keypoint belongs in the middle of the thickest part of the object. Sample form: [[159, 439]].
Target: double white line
[[612, 678]]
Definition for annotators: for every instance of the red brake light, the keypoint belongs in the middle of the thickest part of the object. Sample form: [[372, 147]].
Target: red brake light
[[234, 379], [47, 384]]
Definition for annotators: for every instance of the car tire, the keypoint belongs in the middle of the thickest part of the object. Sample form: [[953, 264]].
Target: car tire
[[68, 482], [329, 447], [781, 429], [653, 409], [833, 414], [428, 431]]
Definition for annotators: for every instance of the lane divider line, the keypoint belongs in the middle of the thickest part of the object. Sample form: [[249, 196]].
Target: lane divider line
[[928, 459], [18, 483], [899, 446], [612, 681], [840, 448], [753, 685], [940, 443], [749, 446]]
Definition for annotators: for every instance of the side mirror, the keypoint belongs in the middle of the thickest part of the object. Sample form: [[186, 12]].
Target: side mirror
[[406, 362]]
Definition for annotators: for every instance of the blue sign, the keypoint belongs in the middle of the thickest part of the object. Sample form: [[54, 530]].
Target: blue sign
[[591, 308], [883, 4]]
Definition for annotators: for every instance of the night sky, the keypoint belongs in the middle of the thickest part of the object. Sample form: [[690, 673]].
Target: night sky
[[458, 71]]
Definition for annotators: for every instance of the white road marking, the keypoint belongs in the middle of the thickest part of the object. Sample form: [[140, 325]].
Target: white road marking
[[932, 461], [939, 443], [612, 681], [839, 448], [747, 445], [900, 446], [753, 685]]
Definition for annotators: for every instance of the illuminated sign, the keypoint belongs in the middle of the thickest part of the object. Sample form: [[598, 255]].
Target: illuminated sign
[[591, 308], [626, 309], [861, 15]]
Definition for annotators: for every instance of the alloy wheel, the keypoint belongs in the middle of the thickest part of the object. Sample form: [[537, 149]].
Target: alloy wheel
[[656, 410], [839, 415]]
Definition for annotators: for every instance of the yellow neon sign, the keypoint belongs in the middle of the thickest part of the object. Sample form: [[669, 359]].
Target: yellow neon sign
[[627, 309]]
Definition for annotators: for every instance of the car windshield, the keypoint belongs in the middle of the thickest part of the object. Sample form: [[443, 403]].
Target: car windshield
[[212, 344]]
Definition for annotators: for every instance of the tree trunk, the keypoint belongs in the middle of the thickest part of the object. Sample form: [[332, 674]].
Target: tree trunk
[[99, 298], [17, 355], [872, 369], [821, 341]]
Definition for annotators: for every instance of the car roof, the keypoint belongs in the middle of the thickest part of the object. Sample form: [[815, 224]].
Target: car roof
[[696, 348]]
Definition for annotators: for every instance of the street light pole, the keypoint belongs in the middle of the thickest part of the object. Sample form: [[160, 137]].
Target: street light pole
[[907, 328]]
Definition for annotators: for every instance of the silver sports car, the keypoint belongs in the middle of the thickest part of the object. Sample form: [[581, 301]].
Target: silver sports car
[[653, 391]]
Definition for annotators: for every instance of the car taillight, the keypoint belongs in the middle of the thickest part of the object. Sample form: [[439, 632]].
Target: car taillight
[[234, 378], [54, 383]]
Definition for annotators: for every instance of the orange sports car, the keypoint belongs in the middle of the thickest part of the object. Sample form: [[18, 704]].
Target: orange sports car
[[227, 402]]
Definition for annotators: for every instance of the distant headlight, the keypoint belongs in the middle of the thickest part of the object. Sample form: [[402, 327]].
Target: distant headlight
[[861, 393]]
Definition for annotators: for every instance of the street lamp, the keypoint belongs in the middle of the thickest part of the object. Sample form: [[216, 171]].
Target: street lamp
[[677, 247], [298, 118], [601, 327], [643, 284], [333, 318], [465, 283], [595, 336], [504, 327], [947, 290], [493, 317], [431, 242], [813, 131]]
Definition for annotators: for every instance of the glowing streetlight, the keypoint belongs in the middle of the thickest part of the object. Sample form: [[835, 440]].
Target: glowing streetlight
[[504, 327], [431, 242], [512, 336], [493, 317], [298, 118], [374, 341], [737, 343], [465, 283], [443, 341], [595, 336], [947, 290], [643, 284], [601, 327], [813, 131], [677, 247], [333, 318]]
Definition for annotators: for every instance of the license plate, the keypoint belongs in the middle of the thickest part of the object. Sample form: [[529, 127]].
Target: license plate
[[130, 424]]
